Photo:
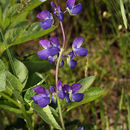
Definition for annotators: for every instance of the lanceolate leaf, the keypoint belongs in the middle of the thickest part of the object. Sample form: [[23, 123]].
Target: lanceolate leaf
[[46, 114], [89, 96], [2, 76], [21, 71], [14, 85], [86, 83], [31, 35]]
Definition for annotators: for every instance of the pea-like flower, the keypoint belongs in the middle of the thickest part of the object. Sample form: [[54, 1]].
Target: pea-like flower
[[80, 128], [72, 63], [47, 19], [76, 47], [51, 49], [53, 94], [76, 51], [72, 8], [57, 11], [43, 97], [70, 92]]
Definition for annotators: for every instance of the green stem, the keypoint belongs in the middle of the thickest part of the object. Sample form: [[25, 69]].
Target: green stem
[[27, 119], [10, 99], [60, 112]]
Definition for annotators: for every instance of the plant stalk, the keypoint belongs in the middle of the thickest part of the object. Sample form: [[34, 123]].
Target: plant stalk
[[57, 70]]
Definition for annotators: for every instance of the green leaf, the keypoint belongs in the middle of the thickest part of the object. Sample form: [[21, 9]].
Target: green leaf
[[91, 95], [22, 16], [86, 83], [34, 64], [33, 4], [1, 16], [2, 76], [29, 94], [21, 71], [31, 35], [46, 114], [14, 84], [123, 13], [12, 10], [12, 34]]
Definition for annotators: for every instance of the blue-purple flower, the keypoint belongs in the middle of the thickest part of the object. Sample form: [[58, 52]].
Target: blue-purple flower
[[51, 49], [43, 97], [53, 94], [80, 128], [72, 63], [47, 19], [72, 8], [76, 47], [73, 94], [76, 51], [57, 11], [70, 92]]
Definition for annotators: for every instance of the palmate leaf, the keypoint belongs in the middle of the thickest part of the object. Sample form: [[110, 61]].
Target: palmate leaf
[[91, 95], [2, 76], [46, 114]]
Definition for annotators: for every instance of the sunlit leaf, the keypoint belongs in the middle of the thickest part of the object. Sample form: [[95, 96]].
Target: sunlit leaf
[[91, 95], [86, 83], [46, 114], [2, 76]]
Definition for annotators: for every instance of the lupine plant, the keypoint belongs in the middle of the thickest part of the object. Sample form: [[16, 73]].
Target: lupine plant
[[54, 52], [40, 96]]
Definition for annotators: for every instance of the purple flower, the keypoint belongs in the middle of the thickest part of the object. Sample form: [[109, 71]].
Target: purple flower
[[47, 19], [72, 63], [76, 47], [53, 96], [43, 97], [72, 8], [57, 11], [51, 49], [80, 128], [61, 92], [70, 92], [76, 97]]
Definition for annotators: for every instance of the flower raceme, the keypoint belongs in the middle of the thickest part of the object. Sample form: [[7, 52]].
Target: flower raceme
[[52, 49], [44, 97], [47, 17]]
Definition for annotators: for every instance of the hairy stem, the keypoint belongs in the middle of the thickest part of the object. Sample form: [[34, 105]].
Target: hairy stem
[[57, 70]]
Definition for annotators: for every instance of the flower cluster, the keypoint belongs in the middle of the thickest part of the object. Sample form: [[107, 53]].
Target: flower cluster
[[70, 93], [47, 17], [52, 49]]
